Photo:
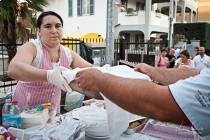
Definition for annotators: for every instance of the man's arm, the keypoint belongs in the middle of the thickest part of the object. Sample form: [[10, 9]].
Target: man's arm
[[141, 97], [166, 76]]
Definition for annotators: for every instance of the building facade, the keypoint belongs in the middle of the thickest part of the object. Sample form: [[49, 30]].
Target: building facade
[[81, 16], [203, 11], [149, 17], [140, 20]]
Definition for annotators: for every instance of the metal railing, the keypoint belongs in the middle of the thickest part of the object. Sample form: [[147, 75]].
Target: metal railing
[[125, 52], [6, 83], [131, 52]]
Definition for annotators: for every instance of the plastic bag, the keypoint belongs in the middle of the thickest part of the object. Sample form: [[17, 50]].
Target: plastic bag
[[118, 119]]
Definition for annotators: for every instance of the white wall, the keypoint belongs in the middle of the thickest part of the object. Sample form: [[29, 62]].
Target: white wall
[[83, 24], [159, 19], [131, 20]]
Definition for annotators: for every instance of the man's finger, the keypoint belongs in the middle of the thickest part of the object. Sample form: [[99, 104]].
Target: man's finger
[[79, 73]]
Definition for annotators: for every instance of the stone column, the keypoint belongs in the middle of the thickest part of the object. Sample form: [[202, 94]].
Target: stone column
[[147, 27], [183, 13], [191, 16]]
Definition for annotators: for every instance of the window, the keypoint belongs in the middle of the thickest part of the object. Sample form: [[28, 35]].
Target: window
[[70, 8], [85, 7], [139, 6], [91, 7]]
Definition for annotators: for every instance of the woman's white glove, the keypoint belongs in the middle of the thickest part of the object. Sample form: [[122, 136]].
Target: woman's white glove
[[55, 77], [70, 75]]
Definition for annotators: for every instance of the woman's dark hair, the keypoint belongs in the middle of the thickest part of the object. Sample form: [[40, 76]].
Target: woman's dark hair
[[185, 53], [47, 13], [163, 50]]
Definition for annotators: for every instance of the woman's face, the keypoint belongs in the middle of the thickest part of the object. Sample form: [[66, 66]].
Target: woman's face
[[163, 53], [51, 31], [183, 58]]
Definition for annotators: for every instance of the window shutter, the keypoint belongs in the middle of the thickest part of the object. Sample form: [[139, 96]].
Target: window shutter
[[91, 7], [70, 8], [79, 7]]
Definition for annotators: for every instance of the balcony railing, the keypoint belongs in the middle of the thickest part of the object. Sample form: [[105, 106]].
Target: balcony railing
[[138, 18]]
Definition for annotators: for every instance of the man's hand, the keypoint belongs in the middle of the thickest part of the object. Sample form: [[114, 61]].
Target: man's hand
[[143, 68], [55, 77], [87, 79]]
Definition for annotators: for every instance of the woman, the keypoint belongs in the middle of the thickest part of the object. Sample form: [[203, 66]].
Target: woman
[[37, 64], [184, 60], [162, 60]]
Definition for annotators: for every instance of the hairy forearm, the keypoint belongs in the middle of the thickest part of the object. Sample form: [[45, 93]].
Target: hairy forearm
[[169, 76], [141, 97], [25, 72], [126, 92]]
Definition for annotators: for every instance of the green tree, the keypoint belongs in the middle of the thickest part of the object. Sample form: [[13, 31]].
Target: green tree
[[12, 15]]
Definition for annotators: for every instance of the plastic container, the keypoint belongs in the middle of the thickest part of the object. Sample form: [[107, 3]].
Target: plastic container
[[15, 118], [6, 113], [3, 98]]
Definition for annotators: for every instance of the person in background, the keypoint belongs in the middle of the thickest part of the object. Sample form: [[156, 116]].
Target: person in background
[[202, 60], [38, 65], [171, 58], [184, 60], [162, 60], [182, 99], [195, 51], [177, 52]]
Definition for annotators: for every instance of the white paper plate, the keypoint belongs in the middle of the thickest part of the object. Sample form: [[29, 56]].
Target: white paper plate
[[95, 120]]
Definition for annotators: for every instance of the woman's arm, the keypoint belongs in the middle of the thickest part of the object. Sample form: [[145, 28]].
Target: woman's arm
[[20, 67], [78, 61]]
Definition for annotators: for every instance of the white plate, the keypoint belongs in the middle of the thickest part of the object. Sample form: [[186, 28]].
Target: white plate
[[98, 137], [95, 120]]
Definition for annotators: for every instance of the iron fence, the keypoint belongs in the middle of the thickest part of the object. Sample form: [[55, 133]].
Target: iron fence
[[71, 43], [6, 83], [125, 52], [131, 52]]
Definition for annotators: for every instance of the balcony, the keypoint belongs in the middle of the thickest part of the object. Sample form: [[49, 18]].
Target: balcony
[[138, 18]]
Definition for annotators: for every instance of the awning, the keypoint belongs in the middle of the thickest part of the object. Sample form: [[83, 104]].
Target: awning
[[90, 37]]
